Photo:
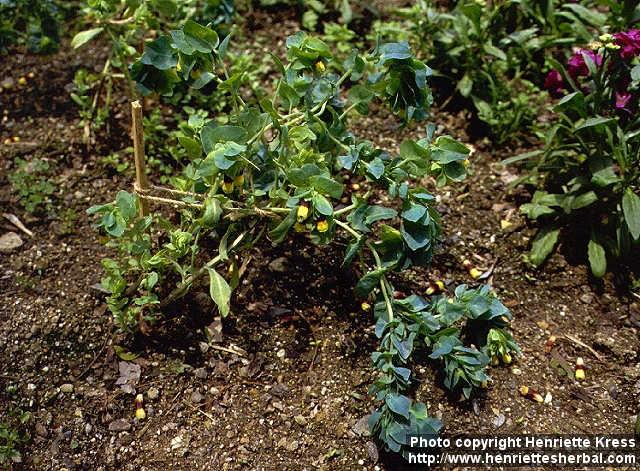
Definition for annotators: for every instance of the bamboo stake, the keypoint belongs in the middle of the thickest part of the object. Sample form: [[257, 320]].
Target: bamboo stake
[[138, 154]]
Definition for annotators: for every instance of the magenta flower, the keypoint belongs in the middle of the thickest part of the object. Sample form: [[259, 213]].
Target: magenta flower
[[622, 100], [553, 82], [576, 65], [629, 42]]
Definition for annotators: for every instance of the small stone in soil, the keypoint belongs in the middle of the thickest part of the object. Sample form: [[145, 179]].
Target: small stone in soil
[[9, 242], [372, 451], [153, 394], [361, 427], [119, 425], [66, 388], [278, 265]]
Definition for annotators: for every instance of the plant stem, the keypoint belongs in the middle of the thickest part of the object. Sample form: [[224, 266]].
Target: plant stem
[[383, 281]]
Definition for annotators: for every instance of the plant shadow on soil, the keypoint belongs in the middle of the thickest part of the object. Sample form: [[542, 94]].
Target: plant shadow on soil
[[294, 284]]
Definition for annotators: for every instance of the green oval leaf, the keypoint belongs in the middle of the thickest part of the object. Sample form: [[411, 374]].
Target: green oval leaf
[[220, 291]]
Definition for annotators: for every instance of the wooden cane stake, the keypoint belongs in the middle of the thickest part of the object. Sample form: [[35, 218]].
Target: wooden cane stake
[[138, 152]]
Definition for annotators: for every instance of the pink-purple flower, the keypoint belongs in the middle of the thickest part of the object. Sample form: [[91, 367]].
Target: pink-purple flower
[[553, 82], [622, 100], [629, 42], [576, 65]]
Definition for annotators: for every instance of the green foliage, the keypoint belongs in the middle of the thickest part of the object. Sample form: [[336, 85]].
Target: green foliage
[[493, 52], [278, 163], [123, 23], [588, 170], [403, 326], [13, 434], [33, 23], [32, 185]]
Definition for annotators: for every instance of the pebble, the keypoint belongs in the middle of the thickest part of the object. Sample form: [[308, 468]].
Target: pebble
[[196, 397], [372, 451], [586, 298], [153, 394], [119, 425], [300, 420], [9, 242], [361, 427], [278, 265], [66, 388], [41, 430], [200, 373]]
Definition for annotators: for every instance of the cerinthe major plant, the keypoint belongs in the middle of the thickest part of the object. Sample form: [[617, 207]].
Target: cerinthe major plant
[[277, 165]]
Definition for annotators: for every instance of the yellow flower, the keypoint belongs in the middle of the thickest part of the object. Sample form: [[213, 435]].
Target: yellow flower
[[606, 38], [22, 81], [140, 413], [302, 213], [475, 273], [506, 358], [365, 306], [239, 181], [320, 66], [323, 225], [227, 186], [580, 376]]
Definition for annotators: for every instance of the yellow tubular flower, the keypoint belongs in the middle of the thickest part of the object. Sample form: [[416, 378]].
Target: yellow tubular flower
[[238, 181], [227, 185], [580, 376], [323, 225], [475, 273], [320, 66], [302, 213], [506, 358], [140, 413]]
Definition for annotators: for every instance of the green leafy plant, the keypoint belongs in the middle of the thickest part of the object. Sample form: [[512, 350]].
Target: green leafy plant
[[13, 435], [589, 168], [278, 166], [31, 181], [33, 23], [493, 52], [124, 23]]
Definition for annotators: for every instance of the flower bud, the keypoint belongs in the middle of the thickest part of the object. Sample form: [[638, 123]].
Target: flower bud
[[580, 376], [303, 212], [435, 287], [531, 394], [227, 185], [548, 346], [506, 358], [140, 413], [495, 361], [323, 225]]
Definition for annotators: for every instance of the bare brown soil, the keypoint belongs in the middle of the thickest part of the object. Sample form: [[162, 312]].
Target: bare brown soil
[[294, 393]]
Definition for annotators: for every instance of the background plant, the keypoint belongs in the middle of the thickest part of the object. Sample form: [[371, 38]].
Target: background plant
[[33, 23], [492, 53], [31, 182], [269, 169], [588, 171]]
